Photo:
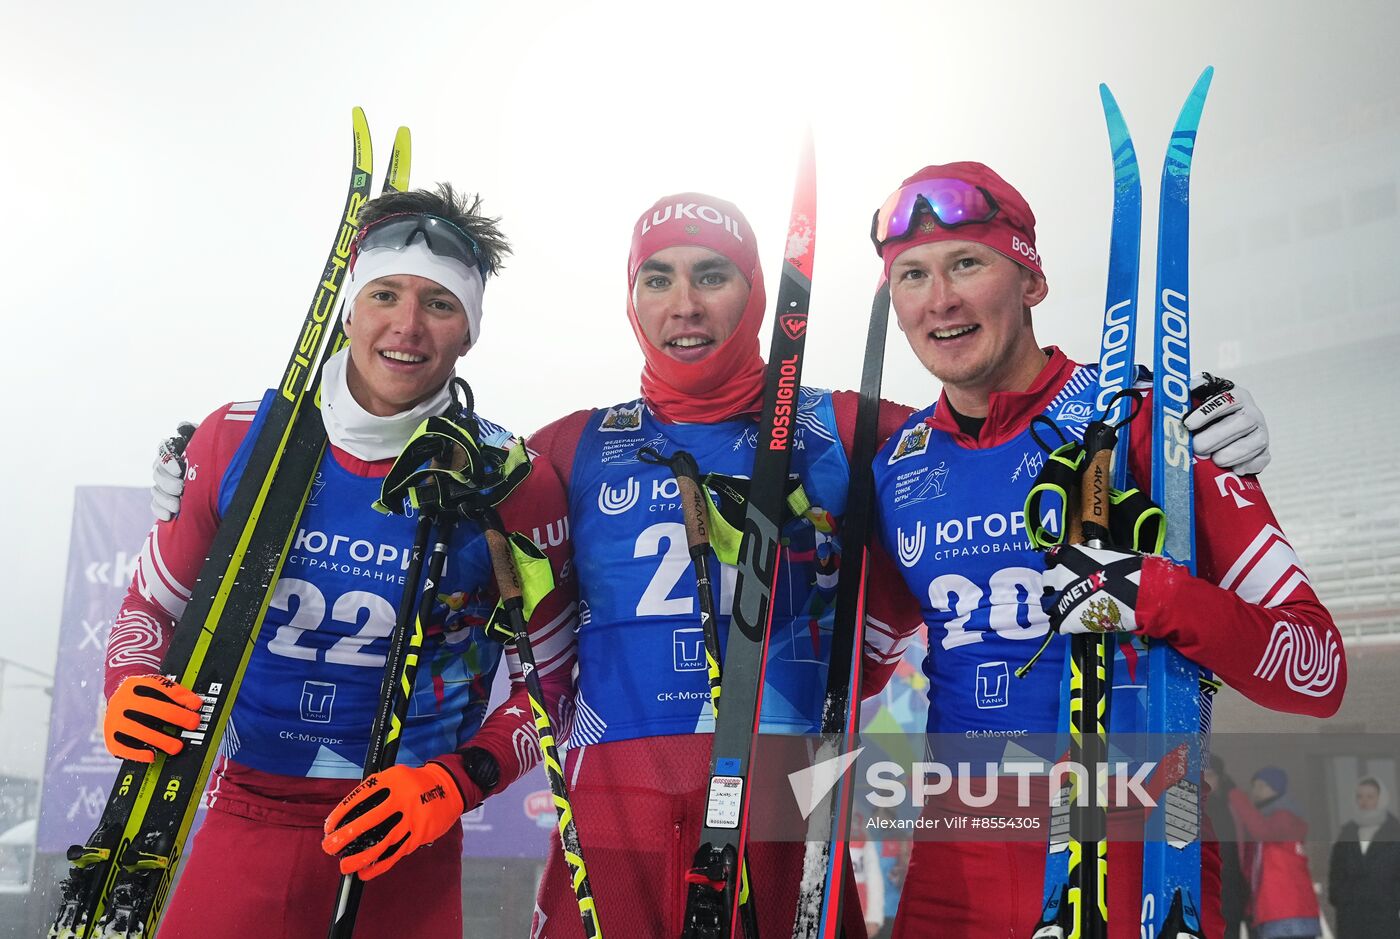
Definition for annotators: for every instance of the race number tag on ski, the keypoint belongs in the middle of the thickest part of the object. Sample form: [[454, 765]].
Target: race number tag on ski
[[726, 799]]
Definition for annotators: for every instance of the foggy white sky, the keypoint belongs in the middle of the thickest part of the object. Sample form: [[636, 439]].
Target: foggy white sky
[[175, 172]]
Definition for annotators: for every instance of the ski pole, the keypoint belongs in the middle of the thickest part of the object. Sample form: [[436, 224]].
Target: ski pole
[[1089, 689], [697, 536], [400, 671], [511, 590]]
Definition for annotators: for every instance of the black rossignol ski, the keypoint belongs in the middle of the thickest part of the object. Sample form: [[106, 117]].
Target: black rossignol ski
[[121, 878], [822, 892], [712, 898], [697, 535]]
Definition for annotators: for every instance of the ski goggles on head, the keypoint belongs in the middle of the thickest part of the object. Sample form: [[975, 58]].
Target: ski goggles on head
[[949, 202], [401, 229]]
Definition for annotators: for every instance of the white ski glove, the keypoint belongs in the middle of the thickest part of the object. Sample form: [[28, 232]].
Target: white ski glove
[[168, 473], [1097, 589], [1228, 426]]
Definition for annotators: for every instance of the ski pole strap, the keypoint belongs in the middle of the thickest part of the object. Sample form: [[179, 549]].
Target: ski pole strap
[[1137, 521], [1057, 480], [727, 498], [534, 579], [725, 503], [1134, 520], [695, 502], [465, 474]]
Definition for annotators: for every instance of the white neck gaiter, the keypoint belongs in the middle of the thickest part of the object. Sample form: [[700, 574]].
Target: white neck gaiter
[[360, 433]]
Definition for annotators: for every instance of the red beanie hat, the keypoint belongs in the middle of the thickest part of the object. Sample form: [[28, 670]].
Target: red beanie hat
[[1010, 232], [729, 381]]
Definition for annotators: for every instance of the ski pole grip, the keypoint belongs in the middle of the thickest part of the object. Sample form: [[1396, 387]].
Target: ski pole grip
[[507, 579], [697, 534], [1094, 493]]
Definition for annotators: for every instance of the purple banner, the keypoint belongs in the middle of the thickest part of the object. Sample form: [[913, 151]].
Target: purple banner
[[109, 526]]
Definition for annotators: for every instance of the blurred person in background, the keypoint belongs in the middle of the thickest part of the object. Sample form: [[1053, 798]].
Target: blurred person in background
[[1363, 873], [1282, 902]]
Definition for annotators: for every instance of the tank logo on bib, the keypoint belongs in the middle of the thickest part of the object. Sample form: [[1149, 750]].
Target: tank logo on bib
[[316, 700], [993, 685], [688, 649]]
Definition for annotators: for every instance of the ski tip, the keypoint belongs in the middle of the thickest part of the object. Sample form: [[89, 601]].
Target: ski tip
[[803, 224], [364, 152], [399, 162], [1119, 139], [1203, 83], [1106, 98], [1190, 116], [807, 172]]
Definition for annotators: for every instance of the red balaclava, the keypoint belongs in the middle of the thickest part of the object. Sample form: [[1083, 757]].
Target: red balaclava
[[729, 381], [1011, 232]]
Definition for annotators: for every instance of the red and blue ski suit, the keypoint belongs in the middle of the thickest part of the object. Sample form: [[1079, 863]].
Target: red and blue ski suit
[[639, 751], [299, 727], [949, 507]]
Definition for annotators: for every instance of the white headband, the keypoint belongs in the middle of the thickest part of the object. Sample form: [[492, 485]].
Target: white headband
[[416, 258]]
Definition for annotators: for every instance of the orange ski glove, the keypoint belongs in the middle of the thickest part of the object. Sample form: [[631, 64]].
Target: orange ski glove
[[390, 815], [137, 715]]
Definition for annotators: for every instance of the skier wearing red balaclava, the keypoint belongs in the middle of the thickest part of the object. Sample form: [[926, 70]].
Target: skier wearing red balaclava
[[639, 753]]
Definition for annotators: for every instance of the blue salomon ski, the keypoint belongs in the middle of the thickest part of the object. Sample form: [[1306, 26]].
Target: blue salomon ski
[[1060, 916], [1171, 870]]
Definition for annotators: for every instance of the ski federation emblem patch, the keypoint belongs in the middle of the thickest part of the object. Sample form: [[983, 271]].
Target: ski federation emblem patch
[[912, 442], [622, 419]]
